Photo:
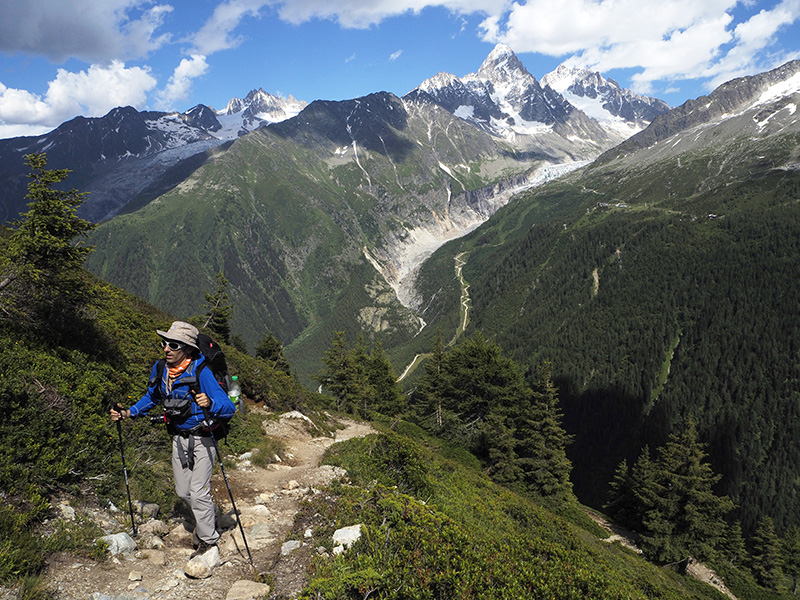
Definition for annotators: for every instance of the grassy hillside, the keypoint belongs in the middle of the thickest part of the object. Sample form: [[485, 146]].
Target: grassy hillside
[[433, 526], [57, 382]]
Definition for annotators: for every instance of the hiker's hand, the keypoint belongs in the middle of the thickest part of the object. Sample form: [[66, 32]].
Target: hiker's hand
[[202, 400], [122, 414]]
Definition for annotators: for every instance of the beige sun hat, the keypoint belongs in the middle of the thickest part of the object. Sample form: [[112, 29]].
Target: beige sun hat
[[180, 331]]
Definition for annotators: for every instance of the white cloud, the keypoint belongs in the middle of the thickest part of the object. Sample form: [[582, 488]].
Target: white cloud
[[180, 83], [71, 94], [395, 55], [361, 14], [753, 37], [87, 29], [216, 34], [667, 40]]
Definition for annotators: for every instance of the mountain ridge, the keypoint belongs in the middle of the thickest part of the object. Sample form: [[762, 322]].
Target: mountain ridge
[[152, 147]]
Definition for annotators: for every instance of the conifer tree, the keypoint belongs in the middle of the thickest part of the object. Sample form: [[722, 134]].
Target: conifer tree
[[790, 546], [733, 547], [345, 375], [621, 505], [40, 271], [429, 399], [683, 516], [388, 399], [270, 349], [542, 439], [219, 309], [766, 560]]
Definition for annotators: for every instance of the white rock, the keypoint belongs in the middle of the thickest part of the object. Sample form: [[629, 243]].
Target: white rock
[[119, 543], [345, 537], [67, 511], [157, 557], [247, 590], [154, 527], [262, 498], [200, 567], [288, 547]]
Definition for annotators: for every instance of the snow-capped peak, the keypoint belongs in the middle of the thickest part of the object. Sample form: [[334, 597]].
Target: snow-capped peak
[[503, 66], [564, 76], [603, 99], [437, 82], [258, 108]]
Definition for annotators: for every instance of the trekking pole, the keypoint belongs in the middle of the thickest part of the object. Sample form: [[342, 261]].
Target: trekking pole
[[125, 469], [208, 423]]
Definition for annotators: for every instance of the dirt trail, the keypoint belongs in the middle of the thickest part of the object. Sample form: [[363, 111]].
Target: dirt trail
[[627, 538], [267, 499]]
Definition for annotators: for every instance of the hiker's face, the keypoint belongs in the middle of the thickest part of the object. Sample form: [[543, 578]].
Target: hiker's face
[[175, 352]]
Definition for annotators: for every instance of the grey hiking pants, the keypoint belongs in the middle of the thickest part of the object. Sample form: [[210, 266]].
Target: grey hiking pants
[[193, 481]]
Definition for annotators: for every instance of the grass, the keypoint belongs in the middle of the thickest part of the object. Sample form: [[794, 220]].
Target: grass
[[434, 526]]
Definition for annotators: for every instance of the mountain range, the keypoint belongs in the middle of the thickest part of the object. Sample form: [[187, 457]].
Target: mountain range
[[648, 253], [132, 156]]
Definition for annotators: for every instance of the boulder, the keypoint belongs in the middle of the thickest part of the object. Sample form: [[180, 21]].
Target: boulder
[[345, 537], [247, 590], [119, 543], [200, 567]]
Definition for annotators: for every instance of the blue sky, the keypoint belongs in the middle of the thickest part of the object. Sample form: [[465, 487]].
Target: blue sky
[[63, 58]]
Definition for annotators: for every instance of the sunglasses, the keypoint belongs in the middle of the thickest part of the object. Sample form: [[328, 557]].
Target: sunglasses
[[172, 345]]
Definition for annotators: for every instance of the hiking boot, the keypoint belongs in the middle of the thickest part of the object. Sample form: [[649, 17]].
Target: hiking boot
[[202, 548]]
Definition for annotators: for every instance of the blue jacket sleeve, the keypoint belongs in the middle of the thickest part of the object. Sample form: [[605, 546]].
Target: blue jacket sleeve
[[146, 402], [221, 405]]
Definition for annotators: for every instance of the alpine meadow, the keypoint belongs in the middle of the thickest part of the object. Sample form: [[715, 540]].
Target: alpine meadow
[[566, 310]]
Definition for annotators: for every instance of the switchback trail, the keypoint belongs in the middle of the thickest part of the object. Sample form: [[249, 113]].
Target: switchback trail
[[463, 321]]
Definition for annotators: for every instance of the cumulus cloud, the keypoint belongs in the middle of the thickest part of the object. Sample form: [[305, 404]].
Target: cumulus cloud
[[672, 40], [85, 29], [180, 83], [71, 94], [217, 33]]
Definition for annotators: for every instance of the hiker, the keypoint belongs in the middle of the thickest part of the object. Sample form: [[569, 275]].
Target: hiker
[[186, 391]]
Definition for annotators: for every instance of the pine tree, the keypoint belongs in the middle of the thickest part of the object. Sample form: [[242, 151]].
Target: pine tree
[[270, 349], [644, 488], [733, 546], [790, 546], [684, 517], [429, 399], [40, 272], [219, 309], [542, 439], [766, 560], [388, 399], [621, 505], [345, 375]]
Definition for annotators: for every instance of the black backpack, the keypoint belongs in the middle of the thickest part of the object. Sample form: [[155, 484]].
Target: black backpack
[[177, 410]]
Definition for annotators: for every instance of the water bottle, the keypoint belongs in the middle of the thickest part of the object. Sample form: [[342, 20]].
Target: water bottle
[[235, 392]]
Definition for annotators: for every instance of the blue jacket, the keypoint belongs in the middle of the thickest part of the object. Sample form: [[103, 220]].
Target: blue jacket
[[221, 405]]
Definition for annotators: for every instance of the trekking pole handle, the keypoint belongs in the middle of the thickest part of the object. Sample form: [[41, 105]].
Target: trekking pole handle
[[194, 389]]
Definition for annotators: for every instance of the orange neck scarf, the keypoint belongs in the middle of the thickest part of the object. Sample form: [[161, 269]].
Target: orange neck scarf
[[171, 373], [176, 370]]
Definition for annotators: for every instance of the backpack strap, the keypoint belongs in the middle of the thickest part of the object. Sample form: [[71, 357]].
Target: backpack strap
[[155, 383]]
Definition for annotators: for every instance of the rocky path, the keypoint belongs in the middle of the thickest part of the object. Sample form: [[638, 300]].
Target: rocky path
[[267, 499], [627, 538]]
